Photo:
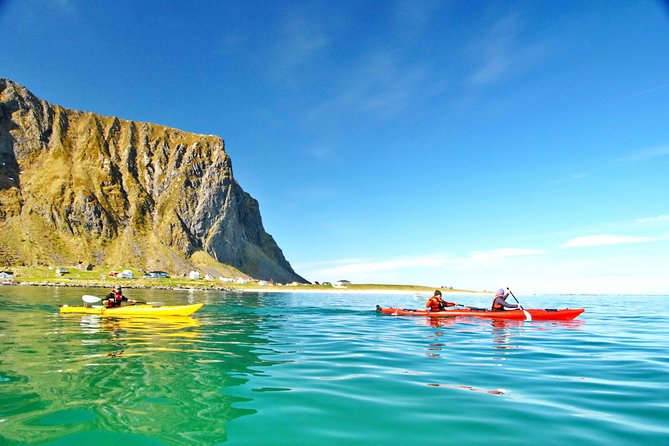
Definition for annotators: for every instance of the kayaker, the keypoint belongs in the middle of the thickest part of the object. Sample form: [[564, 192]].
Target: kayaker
[[499, 302], [115, 298], [436, 303]]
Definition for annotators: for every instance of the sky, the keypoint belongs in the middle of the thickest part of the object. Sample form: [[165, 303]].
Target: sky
[[467, 144]]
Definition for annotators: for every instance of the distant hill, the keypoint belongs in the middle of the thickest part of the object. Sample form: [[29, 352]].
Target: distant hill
[[80, 187]]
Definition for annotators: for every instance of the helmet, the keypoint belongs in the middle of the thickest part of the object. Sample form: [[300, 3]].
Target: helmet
[[500, 291], [117, 288]]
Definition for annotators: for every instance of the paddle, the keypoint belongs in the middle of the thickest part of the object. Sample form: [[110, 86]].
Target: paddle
[[94, 300], [90, 299], [528, 316]]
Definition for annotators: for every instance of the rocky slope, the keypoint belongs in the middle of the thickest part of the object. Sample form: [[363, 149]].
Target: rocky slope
[[80, 187]]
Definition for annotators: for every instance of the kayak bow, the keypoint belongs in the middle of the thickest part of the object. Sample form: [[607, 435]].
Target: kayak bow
[[538, 314]]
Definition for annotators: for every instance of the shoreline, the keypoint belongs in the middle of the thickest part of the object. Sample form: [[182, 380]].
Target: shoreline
[[358, 291], [268, 289]]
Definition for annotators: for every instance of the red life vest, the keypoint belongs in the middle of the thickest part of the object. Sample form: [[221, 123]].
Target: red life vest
[[118, 298], [434, 304]]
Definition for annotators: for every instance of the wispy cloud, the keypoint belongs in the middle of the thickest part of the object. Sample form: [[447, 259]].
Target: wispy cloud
[[414, 17], [573, 177], [366, 266], [500, 53], [334, 263], [383, 85], [32, 8], [646, 154], [650, 90], [664, 218], [610, 239], [641, 155], [360, 267], [321, 152], [300, 40], [487, 256]]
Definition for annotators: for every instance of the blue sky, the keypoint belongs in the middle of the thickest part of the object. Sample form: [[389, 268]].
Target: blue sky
[[458, 143]]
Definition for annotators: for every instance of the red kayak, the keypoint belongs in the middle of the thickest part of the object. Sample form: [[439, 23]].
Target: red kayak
[[537, 314]]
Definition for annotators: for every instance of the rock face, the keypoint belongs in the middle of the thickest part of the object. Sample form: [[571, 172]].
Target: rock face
[[77, 186]]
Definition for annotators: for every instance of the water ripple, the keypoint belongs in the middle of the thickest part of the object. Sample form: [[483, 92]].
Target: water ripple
[[326, 369]]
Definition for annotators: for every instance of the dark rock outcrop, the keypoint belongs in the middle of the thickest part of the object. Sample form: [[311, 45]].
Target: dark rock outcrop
[[77, 186]]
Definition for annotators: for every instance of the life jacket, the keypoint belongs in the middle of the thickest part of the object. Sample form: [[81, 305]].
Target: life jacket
[[118, 298], [434, 304], [497, 306]]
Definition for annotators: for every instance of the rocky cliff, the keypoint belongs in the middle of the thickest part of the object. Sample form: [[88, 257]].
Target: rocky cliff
[[81, 187]]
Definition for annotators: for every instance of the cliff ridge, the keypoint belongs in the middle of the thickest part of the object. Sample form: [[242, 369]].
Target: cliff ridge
[[80, 187]]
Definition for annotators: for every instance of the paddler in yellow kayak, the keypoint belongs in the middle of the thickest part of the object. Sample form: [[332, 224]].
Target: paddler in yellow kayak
[[436, 303], [115, 298]]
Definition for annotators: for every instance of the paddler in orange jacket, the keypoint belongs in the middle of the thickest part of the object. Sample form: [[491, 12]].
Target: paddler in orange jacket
[[436, 303]]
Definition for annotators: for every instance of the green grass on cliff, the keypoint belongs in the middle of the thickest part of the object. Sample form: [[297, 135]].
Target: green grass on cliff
[[101, 278]]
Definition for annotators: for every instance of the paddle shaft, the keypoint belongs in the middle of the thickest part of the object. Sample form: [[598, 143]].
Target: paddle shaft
[[514, 297], [528, 316], [94, 299]]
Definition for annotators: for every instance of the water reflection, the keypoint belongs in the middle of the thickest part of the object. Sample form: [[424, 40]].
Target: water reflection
[[163, 378]]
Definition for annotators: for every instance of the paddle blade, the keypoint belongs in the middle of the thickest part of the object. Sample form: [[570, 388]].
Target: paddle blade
[[90, 299]]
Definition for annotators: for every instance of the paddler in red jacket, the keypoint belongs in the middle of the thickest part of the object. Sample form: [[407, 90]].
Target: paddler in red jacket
[[115, 298], [436, 303]]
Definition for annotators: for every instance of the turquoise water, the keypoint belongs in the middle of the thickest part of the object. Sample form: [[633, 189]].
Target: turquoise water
[[318, 369]]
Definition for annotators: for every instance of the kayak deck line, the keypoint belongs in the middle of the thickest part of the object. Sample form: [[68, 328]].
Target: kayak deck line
[[539, 314], [135, 310]]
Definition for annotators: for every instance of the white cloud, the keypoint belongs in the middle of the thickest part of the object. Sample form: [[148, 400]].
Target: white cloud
[[410, 270], [656, 219], [610, 239], [504, 253], [564, 271], [339, 268]]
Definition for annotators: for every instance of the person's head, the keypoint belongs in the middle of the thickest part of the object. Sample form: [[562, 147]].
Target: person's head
[[117, 288], [437, 293], [500, 292]]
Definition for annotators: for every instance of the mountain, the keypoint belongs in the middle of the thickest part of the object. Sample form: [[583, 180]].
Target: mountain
[[80, 187]]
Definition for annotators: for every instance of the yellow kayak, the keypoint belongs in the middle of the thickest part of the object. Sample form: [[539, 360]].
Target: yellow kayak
[[135, 310]]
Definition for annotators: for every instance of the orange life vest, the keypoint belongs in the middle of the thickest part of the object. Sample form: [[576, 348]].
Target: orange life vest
[[434, 304]]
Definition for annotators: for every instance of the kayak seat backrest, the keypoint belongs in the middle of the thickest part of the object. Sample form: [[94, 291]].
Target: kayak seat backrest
[[551, 309]]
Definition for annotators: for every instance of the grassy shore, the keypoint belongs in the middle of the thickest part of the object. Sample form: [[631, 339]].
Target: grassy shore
[[43, 276]]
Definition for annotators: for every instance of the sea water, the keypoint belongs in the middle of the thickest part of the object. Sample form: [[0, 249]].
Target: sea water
[[325, 369]]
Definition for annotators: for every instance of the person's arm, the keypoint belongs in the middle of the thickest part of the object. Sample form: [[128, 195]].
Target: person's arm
[[506, 304]]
